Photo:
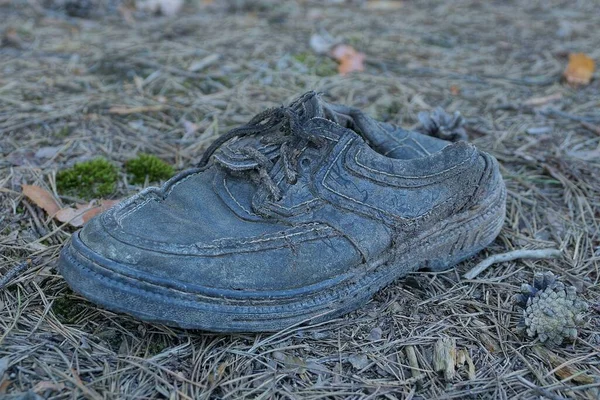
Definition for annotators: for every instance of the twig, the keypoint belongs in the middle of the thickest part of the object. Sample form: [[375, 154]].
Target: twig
[[553, 112], [413, 362], [135, 110], [591, 127], [540, 101], [510, 256], [14, 271]]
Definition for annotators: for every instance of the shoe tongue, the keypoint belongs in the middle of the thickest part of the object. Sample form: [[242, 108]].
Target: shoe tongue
[[308, 106]]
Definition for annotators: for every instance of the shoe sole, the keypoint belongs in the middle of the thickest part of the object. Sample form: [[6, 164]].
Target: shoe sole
[[456, 239]]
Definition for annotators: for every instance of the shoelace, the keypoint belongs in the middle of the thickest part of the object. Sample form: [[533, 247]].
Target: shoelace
[[277, 126]]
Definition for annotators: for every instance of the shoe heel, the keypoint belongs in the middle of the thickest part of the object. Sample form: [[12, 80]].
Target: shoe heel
[[471, 235]]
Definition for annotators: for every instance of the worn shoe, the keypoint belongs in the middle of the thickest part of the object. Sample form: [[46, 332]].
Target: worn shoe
[[300, 215]]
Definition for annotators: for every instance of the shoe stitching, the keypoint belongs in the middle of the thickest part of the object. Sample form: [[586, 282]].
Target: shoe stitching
[[293, 207], [168, 192], [272, 238], [367, 205], [393, 149], [346, 288], [124, 215], [421, 146], [234, 199], [406, 176], [321, 230]]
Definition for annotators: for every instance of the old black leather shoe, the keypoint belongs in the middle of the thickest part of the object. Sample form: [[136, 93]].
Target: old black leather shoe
[[300, 215]]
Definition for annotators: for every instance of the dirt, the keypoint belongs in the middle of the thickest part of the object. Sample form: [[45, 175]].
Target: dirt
[[110, 85]]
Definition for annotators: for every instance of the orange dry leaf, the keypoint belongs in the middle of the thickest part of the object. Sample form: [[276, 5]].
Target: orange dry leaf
[[350, 60], [580, 69], [41, 198], [104, 205], [78, 216]]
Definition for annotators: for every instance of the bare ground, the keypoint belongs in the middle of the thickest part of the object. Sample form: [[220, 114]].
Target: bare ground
[[60, 77]]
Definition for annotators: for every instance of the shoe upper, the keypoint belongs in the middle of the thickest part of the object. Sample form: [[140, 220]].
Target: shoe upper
[[297, 198]]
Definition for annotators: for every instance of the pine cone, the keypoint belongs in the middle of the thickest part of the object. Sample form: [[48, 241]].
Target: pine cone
[[443, 125], [550, 310]]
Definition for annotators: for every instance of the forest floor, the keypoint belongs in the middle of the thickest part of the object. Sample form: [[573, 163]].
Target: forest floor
[[72, 89]]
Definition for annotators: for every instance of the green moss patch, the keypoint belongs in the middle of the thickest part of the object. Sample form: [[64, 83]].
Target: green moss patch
[[68, 308], [150, 167], [88, 180], [320, 66]]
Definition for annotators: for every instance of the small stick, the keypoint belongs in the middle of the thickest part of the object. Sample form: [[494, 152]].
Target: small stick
[[14, 271], [592, 128], [510, 256], [413, 362]]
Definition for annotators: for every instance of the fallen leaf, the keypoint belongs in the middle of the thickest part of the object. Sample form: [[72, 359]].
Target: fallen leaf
[[71, 215], [4, 384], [41, 198], [580, 69], [78, 216], [349, 59], [104, 205]]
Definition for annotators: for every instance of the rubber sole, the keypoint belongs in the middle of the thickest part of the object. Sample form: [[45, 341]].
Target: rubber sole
[[454, 239]]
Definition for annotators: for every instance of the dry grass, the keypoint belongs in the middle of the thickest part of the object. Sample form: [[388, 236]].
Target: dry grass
[[485, 60]]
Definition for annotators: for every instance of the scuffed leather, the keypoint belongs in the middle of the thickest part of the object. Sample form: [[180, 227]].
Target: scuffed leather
[[367, 187]]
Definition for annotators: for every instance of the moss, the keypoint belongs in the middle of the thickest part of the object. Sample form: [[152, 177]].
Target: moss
[[320, 66], [148, 166], [96, 178], [63, 132], [67, 307], [156, 346]]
